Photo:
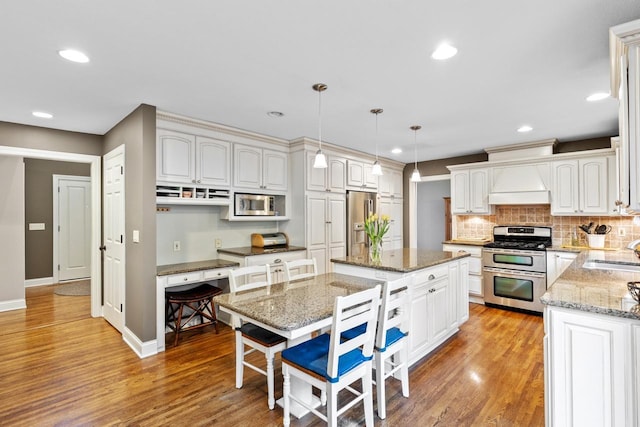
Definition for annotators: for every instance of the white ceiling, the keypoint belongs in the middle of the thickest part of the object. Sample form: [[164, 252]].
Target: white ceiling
[[232, 61]]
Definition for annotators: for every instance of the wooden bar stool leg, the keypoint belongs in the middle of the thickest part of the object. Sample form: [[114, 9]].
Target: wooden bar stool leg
[[178, 324]]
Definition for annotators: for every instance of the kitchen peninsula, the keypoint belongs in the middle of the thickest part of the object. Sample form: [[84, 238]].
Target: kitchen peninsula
[[592, 342], [439, 293]]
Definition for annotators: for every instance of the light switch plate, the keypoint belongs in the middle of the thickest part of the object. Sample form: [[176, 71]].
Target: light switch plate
[[36, 226], [136, 236]]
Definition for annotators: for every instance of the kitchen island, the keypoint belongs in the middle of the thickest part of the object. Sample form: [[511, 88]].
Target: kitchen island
[[439, 293], [592, 342]]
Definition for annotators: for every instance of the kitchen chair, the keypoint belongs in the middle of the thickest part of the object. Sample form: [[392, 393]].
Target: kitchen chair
[[391, 348], [331, 364], [199, 299], [251, 335], [298, 264]]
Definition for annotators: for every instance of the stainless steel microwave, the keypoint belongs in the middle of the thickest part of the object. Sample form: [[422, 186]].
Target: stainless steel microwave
[[254, 205]]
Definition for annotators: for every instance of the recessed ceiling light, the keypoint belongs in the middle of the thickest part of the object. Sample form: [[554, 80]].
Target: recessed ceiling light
[[42, 115], [74, 55], [444, 51], [598, 96], [525, 128], [396, 150], [275, 114]]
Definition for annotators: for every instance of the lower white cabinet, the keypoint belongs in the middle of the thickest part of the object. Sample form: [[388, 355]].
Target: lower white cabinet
[[476, 289], [590, 368], [557, 262]]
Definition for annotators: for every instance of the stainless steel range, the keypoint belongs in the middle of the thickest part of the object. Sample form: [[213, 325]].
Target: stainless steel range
[[515, 267]]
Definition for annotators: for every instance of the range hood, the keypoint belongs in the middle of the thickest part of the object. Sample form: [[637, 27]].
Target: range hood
[[520, 185]]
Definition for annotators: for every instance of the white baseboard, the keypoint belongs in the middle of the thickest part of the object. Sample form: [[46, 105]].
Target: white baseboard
[[14, 304], [142, 349], [41, 281]]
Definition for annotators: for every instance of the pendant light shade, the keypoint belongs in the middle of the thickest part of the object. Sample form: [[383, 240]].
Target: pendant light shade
[[320, 161], [415, 176], [376, 170]]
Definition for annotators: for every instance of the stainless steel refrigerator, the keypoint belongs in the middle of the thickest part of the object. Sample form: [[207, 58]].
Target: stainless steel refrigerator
[[359, 205]]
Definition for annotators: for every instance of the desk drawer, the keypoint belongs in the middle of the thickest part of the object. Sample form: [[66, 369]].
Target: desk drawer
[[179, 279], [219, 273]]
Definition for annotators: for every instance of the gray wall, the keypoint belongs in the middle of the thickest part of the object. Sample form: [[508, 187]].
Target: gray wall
[[137, 132], [15, 135], [11, 229], [38, 182]]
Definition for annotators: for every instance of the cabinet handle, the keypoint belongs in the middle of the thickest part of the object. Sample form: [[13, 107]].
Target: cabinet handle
[[328, 190], [432, 290], [327, 222], [431, 277], [277, 261], [193, 181], [199, 181]]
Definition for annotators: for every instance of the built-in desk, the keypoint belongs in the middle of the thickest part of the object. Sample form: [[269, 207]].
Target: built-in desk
[[184, 274]]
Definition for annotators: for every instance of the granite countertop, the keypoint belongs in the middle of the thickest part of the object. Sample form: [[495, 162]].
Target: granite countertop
[[292, 305], [253, 250], [595, 290], [403, 260], [187, 267], [469, 242]]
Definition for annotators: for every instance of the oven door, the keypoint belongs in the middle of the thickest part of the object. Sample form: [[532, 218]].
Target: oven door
[[513, 259], [511, 288]]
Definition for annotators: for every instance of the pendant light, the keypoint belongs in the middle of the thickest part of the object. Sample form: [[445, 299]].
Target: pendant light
[[320, 161], [415, 176], [376, 170]]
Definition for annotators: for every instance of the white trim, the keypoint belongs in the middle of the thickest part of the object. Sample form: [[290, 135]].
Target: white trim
[[14, 304], [56, 220], [40, 281], [142, 349], [96, 209], [413, 206]]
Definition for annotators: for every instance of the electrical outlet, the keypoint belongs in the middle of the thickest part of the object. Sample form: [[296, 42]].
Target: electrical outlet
[[218, 243], [176, 245], [622, 232]]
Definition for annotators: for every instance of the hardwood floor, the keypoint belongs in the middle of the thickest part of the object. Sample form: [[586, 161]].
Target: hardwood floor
[[58, 366]]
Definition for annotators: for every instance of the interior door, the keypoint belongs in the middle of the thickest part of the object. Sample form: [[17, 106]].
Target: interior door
[[113, 235], [74, 227]]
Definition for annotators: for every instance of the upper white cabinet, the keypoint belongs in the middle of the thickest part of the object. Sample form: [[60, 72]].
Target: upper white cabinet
[[359, 175], [390, 184], [393, 208], [470, 191], [580, 186], [257, 168], [625, 84], [331, 178], [185, 158]]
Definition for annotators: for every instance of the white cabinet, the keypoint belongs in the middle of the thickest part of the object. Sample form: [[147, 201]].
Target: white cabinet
[[359, 175], [185, 158], [431, 306], [390, 183], [625, 84], [588, 369], [470, 191], [331, 178], [557, 262], [275, 261], [580, 186], [476, 288], [392, 207], [326, 239], [257, 168]]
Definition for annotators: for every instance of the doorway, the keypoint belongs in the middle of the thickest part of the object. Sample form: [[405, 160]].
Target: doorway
[[95, 165], [431, 213]]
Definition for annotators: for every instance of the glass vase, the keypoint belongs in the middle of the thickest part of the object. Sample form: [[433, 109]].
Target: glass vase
[[375, 252]]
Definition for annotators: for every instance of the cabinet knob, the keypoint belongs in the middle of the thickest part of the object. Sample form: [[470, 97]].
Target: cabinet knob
[[431, 277], [199, 181], [277, 261], [327, 222], [185, 279], [328, 190]]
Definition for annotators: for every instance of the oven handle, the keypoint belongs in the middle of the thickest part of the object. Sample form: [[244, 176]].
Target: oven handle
[[507, 272], [514, 252]]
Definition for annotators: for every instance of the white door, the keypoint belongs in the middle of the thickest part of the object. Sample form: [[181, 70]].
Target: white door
[[113, 235], [73, 196]]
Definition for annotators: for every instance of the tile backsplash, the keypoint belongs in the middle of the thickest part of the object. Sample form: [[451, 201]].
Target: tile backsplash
[[476, 226]]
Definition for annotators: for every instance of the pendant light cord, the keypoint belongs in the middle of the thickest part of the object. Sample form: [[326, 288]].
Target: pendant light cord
[[320, 120]]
